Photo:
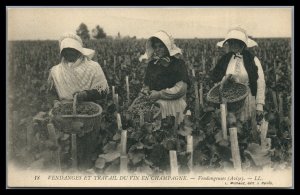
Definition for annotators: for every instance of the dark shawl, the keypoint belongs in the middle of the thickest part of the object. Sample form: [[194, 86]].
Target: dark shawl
[[220, 70]]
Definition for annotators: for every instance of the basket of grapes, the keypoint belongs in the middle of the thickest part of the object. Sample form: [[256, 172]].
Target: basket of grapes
[[232, 93], [142, 106], [79, 118]]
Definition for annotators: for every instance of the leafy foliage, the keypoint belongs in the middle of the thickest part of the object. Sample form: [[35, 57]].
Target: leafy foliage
[[148, 145]]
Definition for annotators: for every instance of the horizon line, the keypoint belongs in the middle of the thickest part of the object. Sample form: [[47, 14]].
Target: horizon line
[[275, 37]]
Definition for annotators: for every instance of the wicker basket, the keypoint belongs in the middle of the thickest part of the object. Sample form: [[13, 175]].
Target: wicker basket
[[70, 123], [152, 113], [234, 104]]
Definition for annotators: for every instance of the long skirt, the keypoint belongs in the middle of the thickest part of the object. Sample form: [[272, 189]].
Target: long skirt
[[248, 110]]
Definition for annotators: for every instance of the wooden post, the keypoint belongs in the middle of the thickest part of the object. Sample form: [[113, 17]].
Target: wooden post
[[235, 152], [52, 137], [123, 142], [74, 151], [115, 62], [123, 165], [142, 119], [203, 65], [223, 120], [197, 104], [117, 101], [193, 73], [189, 149], [74, 104], [280, 106], [275, 100], [119, 122], [201, 94], [173, 163], [263, 133], [127, 89], [113, 93]]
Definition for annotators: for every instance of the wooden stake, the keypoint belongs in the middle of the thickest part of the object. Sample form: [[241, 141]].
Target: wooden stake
[[189, 146], [201, 95], [113, 93], [193, 73], [119, 122], [263, 133], [189, 149], [117, 101], [123, 165], [123, 142], [142, 119], [75, 104], [223, 120], [74, 151], [275, 100], [280, 107], [127, 89], [197, 104], [52, 137], [115, 62], [173, 163], [203, 65], [235, 152]]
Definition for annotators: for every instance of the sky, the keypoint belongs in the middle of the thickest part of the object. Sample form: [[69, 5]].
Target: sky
[[41, 23]]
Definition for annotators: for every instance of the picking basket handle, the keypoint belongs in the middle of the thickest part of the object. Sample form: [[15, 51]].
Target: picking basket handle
[[74, 104]]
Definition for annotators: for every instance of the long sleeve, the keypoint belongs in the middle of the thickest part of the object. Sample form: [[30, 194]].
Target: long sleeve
[[147, 75], [261, 86], [51, 92], [94, 94], [178, 91], [99, 87]]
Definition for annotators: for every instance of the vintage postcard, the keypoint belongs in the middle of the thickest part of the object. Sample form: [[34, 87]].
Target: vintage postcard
[[127, 97]]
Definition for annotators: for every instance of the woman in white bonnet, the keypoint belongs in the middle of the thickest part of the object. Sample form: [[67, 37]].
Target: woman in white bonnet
[[240, 65], [78, 74], [166, 77]]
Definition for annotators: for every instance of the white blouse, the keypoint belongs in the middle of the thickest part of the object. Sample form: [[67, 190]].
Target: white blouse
[[236, 67]]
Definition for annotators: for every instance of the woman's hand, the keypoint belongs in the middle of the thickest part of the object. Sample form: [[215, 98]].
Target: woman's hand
[[234, 78], [259, 116], [145, 91], [56, 103], [154, 95], [81, 96]]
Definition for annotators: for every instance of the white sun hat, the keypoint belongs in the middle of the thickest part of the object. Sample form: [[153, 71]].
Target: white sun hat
[[71, 40], [168, 42], [240, 34]]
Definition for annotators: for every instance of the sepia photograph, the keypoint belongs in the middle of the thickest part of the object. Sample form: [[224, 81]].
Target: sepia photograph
[[150, 97]]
